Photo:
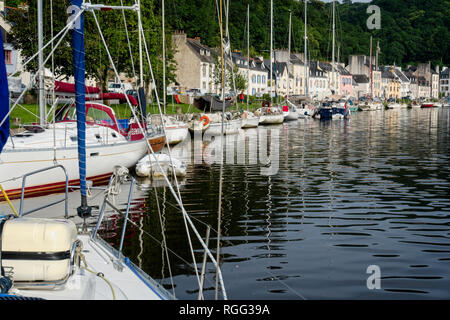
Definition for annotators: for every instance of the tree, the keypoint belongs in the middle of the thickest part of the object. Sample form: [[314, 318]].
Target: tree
[[24, 37]]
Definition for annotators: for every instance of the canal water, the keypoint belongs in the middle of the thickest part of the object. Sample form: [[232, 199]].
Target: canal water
[[354, 209]]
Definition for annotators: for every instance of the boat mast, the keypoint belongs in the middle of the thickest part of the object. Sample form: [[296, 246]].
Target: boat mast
[[371, 71], [83, 210], [271, 52], [306, 54], [141, 67], [41, 62], [164, 58], [248, 53], [289, 53], [333, 75]]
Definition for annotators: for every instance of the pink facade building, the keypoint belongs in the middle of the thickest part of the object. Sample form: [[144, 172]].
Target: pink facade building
[[346, 82]]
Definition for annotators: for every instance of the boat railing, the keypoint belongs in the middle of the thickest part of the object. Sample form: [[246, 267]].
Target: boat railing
[[65, 199], [119, 176]]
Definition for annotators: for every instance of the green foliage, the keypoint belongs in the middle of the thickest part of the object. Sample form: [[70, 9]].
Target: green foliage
[[411, 30], [24, 37]]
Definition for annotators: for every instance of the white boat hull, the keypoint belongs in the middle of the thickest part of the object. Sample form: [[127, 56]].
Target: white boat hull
[[250, 122], [100, 161], [271, 119], [229, 127], [148, 166], [290, 115], [176, 134]]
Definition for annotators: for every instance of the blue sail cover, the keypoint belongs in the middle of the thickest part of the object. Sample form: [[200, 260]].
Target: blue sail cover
[[4, 98], [80, 86]]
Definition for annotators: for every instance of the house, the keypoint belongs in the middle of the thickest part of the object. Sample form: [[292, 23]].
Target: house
[[435, 83], [390, 84], [360, 65], [296, 71], [424, 88], [284, 78], [345, 81], [333, 85], [405, 83], [254, 71], [318, 81], [361, 85], [195, 64], [444, 84], [427, 80]]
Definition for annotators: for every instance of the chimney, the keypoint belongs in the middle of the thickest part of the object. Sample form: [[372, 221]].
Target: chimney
[[179, 37]]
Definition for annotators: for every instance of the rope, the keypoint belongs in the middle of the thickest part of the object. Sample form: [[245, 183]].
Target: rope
[[98, 274], [9, 202]]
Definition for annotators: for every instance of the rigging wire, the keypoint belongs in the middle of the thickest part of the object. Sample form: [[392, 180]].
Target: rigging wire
[[164, 242], [178, 199]]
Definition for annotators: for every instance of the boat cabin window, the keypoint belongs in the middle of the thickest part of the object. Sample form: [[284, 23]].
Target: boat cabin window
[[93, 115], [98, 116]]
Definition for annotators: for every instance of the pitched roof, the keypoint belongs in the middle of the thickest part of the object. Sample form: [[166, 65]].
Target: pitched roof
[[401, 75], [241, 62], [315, 69], [296, 60], [387, 74], [361, 78], [342, 70], [204, 53]]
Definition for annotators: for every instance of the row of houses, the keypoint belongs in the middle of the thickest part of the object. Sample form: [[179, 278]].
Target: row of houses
[[361, 77]]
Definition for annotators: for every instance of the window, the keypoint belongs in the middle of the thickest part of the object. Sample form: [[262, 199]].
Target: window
[[8, 56], [263, 79], [253, 79], [259, 79]]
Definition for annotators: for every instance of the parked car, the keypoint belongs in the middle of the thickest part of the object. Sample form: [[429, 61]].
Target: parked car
[[119, 87], [133, 93], [194, 92]]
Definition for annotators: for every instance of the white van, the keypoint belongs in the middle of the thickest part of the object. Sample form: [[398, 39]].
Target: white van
[[116, 87]]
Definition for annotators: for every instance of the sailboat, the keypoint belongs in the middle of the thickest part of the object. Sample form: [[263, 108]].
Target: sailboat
[[270, 114], [339, 111], [249, 119], [303, 105], [289, 111], [49, 258], [108, 144]]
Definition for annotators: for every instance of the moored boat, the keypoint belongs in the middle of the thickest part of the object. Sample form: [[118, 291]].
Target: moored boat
[[427, 105], [211, 103], [290, 114], [249, 120], [269, 115], [107, 145]]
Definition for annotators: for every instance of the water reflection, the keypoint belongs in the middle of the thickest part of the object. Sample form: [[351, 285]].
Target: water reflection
[[348, 194]]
